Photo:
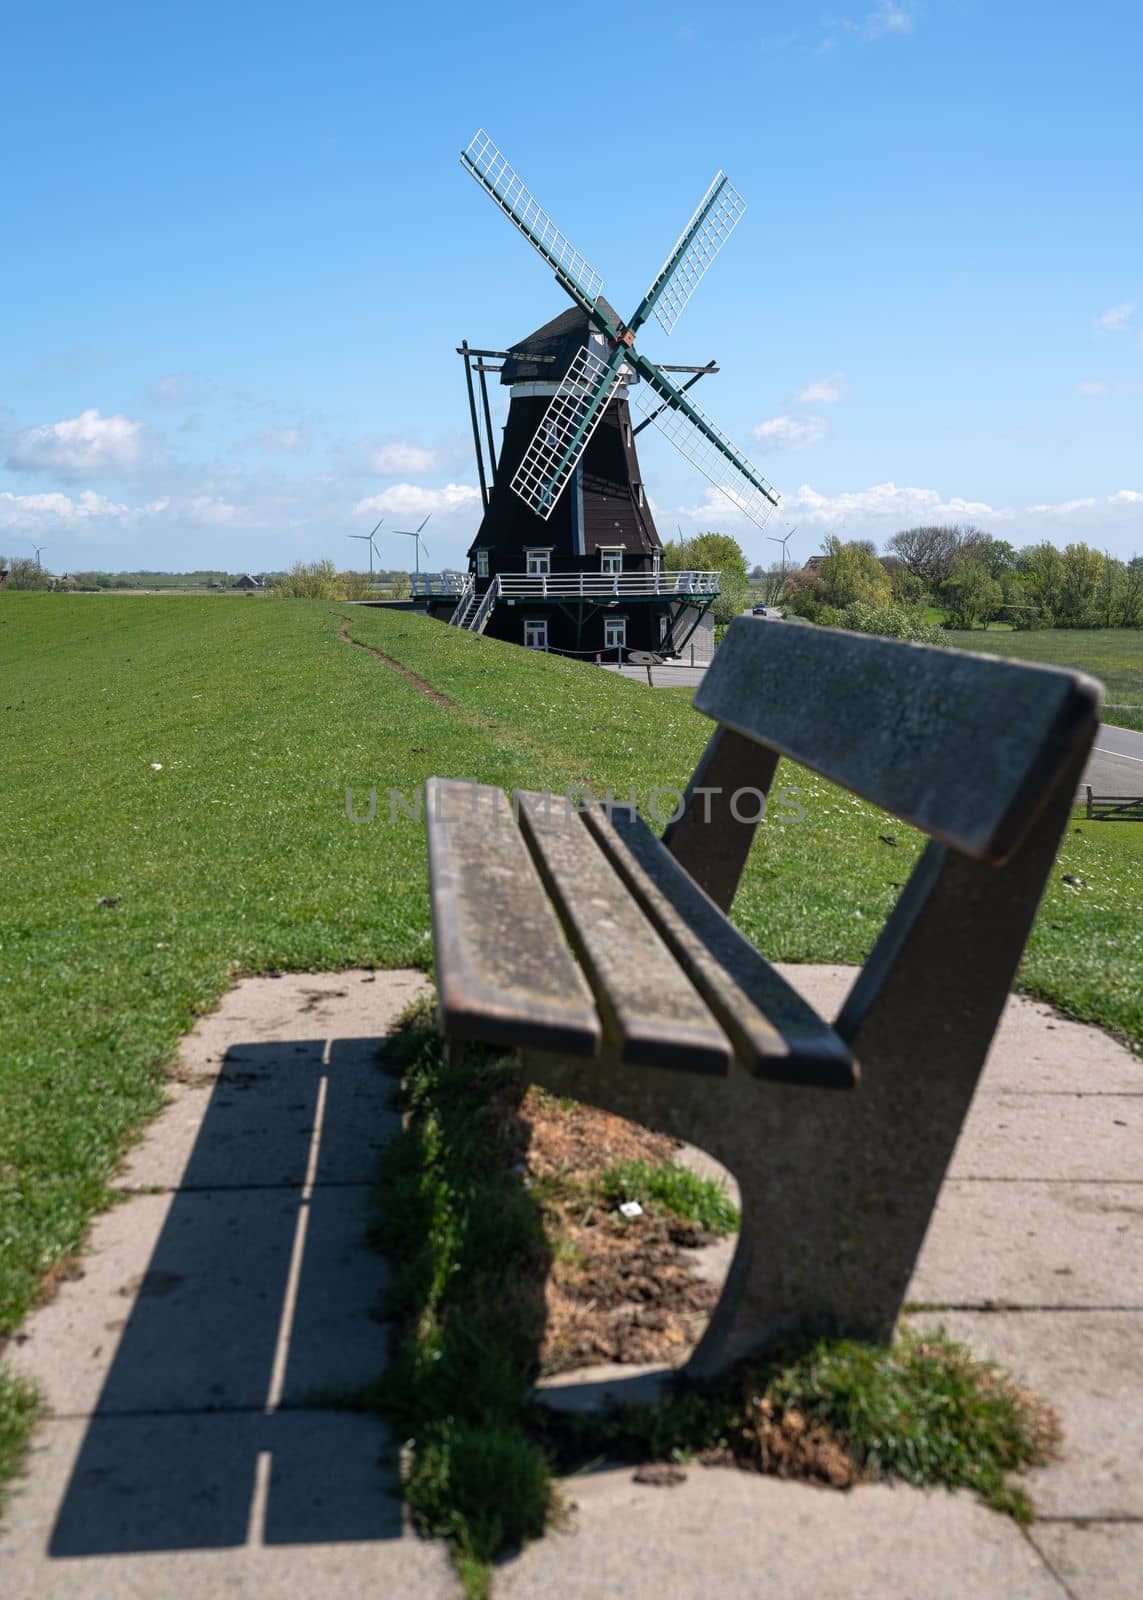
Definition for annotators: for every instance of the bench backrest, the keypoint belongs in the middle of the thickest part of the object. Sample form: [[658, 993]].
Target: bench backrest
[[964, 747]]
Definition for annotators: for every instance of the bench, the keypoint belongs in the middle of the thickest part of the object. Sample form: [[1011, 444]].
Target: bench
[[604, 954], [1114, 807]]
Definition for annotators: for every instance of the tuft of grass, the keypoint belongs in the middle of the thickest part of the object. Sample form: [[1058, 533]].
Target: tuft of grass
[[469, 1260], [670, 1187], [20, 1408], [924, 1411]]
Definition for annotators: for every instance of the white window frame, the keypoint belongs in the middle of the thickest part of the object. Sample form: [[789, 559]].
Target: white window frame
[[535, 633], [482, 563], [611, 559], [615, 633], [639, 496], [630, 437], [538, 563]]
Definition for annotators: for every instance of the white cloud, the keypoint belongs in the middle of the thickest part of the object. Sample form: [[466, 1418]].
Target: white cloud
[[790, 433], [88, 516], [277, 441], [1115, 319], [392, 457], [886, 18], [176, 389], [823, 391], [1096, 388], [87, 445], [1126, 497], [888, 501], [1064, 508], [413, 500]]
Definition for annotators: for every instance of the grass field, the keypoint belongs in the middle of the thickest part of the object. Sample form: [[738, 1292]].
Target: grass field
[[173, 779], [1114, 655]]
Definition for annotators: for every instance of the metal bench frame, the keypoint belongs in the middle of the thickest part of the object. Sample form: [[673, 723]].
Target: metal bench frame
[[838, 1189]]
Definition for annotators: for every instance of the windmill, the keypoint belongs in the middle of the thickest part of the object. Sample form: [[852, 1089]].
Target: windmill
[[568, 492], [373, 550], [38, 548], [418, 545]]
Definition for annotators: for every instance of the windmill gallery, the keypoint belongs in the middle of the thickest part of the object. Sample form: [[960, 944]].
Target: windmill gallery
[[567, 556]]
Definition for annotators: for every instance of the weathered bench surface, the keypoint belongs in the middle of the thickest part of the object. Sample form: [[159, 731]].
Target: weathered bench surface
[[674, 983]]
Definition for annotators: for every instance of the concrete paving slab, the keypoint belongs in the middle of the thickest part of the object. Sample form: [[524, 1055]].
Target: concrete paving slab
[[188, 1301], [1077, 1136], [739, 1536], [1096, 1560], [1032, 1244], [1087, 1364], [1034, 1049], [250, 1122], [288, 1505]]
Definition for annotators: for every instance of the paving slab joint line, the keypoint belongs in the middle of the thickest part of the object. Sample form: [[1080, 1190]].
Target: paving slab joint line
[[1027, 1535]]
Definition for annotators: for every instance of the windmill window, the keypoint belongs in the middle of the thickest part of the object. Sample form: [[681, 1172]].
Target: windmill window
[[611, 560], [536, 634], [537, 562], [482, 563], [614, 633], [628, 435], [639, 494]]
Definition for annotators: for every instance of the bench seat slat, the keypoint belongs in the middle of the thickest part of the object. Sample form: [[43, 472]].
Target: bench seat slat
[[649, 1006], [776, 1033], [963, 746], [505, 974]]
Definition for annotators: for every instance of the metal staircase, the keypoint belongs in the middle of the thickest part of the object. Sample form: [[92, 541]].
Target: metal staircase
[[472, 610]]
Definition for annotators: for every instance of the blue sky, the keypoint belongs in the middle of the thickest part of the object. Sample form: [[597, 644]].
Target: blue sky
[[240, 251]]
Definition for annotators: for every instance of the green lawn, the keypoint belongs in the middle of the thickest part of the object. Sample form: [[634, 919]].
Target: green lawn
[[132, 895], [1114, 655]]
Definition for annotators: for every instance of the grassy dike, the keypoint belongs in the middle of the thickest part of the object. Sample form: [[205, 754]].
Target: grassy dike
[[173, 775]]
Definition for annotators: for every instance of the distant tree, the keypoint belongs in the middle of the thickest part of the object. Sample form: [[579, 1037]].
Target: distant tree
[[851, 574], [970, 595], [928, 552], [24, 573], [1042, 569], [400, 585], [1131, 600], [706, 552]]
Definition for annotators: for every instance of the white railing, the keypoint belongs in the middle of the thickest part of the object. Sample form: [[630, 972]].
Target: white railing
[[559, 585], [446, 585], [463, 600]]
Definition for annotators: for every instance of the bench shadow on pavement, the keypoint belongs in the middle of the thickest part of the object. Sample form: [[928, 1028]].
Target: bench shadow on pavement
[[260, 1293]]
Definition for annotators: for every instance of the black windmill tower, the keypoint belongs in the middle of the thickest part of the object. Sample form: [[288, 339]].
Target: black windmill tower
[[567, 555]]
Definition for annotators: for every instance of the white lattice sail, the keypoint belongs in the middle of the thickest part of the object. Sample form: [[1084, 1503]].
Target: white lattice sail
[[708, 449], [681, 273], [490, 168], [576, 411]]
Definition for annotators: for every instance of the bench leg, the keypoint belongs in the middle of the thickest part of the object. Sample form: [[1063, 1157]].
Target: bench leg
[[838, 1188]]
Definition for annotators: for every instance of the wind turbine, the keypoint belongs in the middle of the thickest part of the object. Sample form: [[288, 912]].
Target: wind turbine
[[37, 548], [372, 547], [419, 543], [783, 541]]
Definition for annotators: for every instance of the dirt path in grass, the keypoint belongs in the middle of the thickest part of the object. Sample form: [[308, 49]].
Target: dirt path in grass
[[405, 672]]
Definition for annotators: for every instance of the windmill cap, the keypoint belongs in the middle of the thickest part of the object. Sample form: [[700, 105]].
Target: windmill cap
[[560, 339]]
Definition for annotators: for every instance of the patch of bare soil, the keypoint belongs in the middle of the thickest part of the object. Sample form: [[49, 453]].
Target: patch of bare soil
[[619, 1289]]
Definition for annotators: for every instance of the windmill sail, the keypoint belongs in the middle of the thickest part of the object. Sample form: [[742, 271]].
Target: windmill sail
[[705, 446], [703, 237], [490, 168], [576, 411]]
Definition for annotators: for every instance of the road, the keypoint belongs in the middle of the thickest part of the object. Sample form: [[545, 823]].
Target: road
[[1115, 767]]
